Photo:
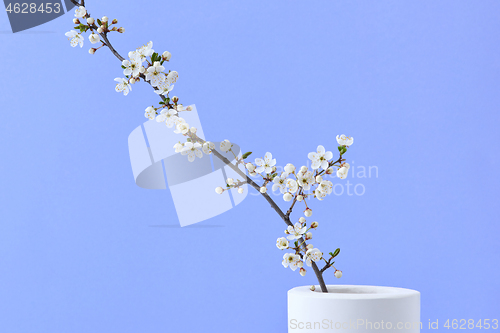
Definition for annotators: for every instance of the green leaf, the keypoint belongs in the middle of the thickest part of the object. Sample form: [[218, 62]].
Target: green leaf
[[188, 139], [336, 253], [245, 155], [99, 22], [123, 67], [296, 243]]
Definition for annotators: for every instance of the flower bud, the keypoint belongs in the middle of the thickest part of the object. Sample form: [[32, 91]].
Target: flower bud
[[115, 21], [92, 50], [189, 108], [302, 219], [287, 232], [219, 190], [241, 190], [309, 235], [263, 189], [303, 272], [132, 80], [303, 168], [76, 21], [287, 196], [121, 30], [90, 20], [300, 198], [175, 99], [273, 169], [310, 246], [319, 179], [99, 30], [250, 167], [314, 225], [230, 181], [313, 288], [289, 168], [329, 171], [300, 264], [193, 130], [308, 212], [253, 174], [114, 29], [166, 56], [104, 19], [338, 274]]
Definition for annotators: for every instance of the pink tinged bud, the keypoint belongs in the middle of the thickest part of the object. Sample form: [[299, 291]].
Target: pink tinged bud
[[115, 21], [286, 232], [166, 56], [309, 235], [92, 50], [114, 29], [338, 274], [313, 288], [329, 171], [175, 99], [303, 272], [76, 21], [121, 30], [308, 212], [314, 225]]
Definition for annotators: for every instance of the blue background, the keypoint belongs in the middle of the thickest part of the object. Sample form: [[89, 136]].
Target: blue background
[[83, 249]]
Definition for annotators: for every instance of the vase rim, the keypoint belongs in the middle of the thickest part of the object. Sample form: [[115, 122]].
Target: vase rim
[[355, 292]]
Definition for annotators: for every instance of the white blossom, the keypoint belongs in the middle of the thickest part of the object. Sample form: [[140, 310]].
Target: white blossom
[[308, 212], [182, 128], [320, 158], [300, 197], [338, 274], [241, 190], [178, 147], [342, 172], [193, 150], [319, 195], [150, 113], [208, 147], [162, 116], [171, 118], [225, 146], [133, 66], [282, 243], [90, 20], [266, 164], [164, 88], [292, 185], [75, 38], [263, 189], [291, 260], [305, 179], [230, 181], [80, 12], [325, 186], [123, 85], [296, 231], [155, 75], [172, 77], [94, 38], [145, 51], [344, 140], [312, 255], [302, 219], [280, 183]]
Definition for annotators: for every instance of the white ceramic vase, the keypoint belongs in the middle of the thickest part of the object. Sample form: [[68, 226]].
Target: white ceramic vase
[[358, 309]]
